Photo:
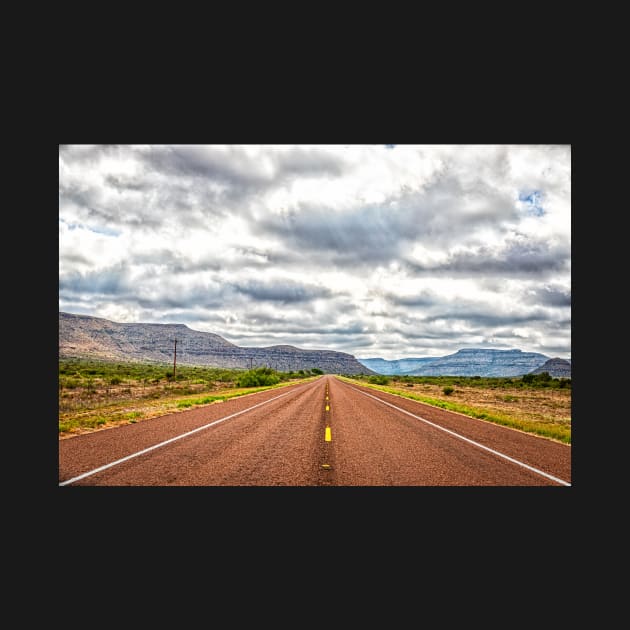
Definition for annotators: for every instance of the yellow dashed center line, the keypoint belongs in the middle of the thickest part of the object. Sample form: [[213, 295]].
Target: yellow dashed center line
[[327, 434]]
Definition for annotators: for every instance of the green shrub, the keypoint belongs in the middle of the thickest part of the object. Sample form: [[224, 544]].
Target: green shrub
[[258, 377], [378, 380], [448, 390]]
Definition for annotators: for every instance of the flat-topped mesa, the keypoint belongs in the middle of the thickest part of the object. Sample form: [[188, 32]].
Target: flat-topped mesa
[[88, 337], [556, 367], [464, 362]]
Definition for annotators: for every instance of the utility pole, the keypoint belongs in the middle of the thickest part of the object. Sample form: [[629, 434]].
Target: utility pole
[[175, 359]]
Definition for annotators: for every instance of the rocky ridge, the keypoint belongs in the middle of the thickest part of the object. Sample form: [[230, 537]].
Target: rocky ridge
[[87, 337]]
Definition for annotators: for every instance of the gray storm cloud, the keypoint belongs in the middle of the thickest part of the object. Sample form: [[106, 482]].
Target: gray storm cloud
[[281, 291], [516, 256], [108, 281], [555, 296]]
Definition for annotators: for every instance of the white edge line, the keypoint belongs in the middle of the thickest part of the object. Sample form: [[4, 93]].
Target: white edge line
[[463, 415], [178, 437], [461, 437]]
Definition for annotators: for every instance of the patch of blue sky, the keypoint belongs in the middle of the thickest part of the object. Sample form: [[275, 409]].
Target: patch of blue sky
[[533, 202], [104, 230], [97, 230]]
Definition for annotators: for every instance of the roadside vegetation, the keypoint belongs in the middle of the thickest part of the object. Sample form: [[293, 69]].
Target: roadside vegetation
[[98, 394], [543, 380], [535, 403]]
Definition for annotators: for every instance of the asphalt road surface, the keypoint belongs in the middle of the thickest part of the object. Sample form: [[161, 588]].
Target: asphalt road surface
[[322, 433]]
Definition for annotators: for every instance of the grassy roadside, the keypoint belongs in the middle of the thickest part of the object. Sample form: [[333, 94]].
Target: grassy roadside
[[554, 425], [130, 409]]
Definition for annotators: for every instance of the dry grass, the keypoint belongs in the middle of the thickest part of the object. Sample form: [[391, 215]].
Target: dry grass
[[543, 411], [105, 406], [548, 405]]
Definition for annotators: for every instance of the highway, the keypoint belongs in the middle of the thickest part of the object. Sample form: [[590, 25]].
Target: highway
[[326, 432]]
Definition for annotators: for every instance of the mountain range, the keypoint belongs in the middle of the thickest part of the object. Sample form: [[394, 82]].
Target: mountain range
[[87, 337], [473, 362]]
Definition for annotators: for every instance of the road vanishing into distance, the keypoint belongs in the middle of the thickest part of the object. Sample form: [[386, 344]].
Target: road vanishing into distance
[[325, 432]]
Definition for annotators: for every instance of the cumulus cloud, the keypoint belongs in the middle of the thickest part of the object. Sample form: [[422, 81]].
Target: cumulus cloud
[[393, 251], [443, 212]]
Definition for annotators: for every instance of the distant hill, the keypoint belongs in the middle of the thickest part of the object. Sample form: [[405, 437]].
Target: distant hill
[[556, 367], [465, 362], [397, 366], [86, 337]]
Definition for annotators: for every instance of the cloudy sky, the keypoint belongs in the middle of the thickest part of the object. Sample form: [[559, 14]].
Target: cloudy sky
[[377, 250]]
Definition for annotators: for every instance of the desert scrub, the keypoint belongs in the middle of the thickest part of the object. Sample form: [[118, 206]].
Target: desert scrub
[[547, 417], [93, 394], [258, 377], [533, 381], [378, 380]]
